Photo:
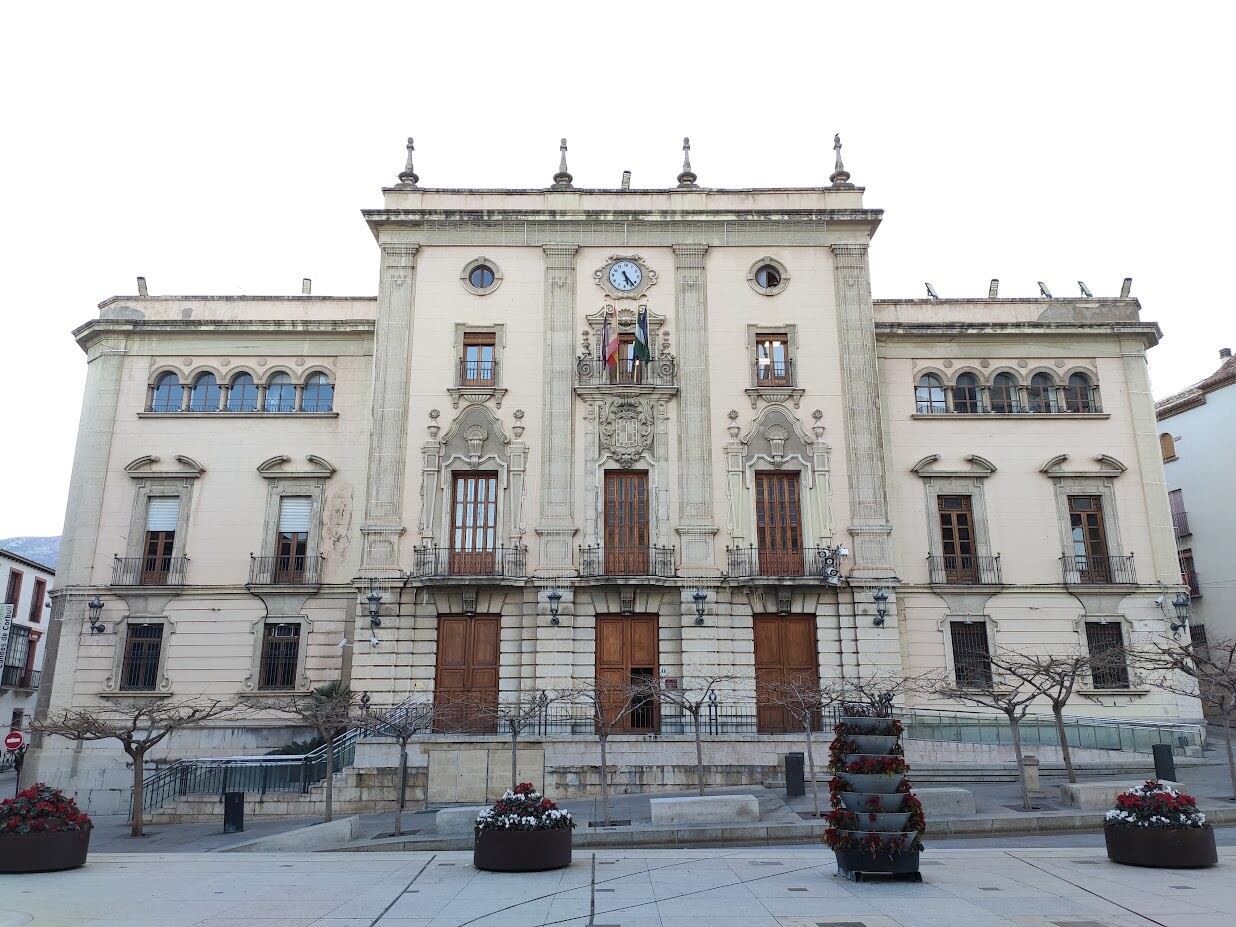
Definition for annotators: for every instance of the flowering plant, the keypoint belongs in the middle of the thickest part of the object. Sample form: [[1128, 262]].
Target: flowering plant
[[874, 764], [891, 726], [1155, 805], [41, 809], [872, 842], [524, 808], [843, 746]]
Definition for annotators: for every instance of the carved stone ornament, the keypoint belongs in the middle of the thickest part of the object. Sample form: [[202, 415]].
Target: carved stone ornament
[[475, 435], [626, 430], [648, 277], [777, 436]]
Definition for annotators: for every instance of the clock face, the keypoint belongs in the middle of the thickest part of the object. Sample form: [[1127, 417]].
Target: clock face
[[625, 275]]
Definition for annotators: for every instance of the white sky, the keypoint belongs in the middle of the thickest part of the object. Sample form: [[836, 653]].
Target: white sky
[[228, 148]]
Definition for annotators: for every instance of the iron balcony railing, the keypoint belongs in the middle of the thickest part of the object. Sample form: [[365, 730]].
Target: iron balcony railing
[[149, 571], [594, 371], [1180, 521], [983, 404], [964, 570], [774, 373], [1083, 570], [504, 562], [1193, 581], [752, 562], [19, 677], [627, 561], [287, 569], [476, 373]]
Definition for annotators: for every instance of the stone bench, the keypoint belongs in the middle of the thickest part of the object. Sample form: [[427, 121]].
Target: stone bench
[[708, 809], [457, 820], [946, 802], [1098, 796]]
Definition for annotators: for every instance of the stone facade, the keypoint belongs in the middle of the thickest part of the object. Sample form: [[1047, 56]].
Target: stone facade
[[542, 420]]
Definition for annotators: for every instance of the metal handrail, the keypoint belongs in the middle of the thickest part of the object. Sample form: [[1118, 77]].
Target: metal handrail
[[752, 561], [149, 571], [507, 562], [288, 569], [627, 561], [964, 570], [1086, 570]]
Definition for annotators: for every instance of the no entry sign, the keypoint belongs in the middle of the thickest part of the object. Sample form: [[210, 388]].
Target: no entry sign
[[14, 740]]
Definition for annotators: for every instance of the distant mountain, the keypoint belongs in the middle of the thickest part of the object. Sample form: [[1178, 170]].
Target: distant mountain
[[40, 550]]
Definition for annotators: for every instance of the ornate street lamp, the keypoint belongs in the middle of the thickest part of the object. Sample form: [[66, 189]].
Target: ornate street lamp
[[1181, 604], [881, 602], [375, 604], [554, 596], [95, 607], [700, 597]]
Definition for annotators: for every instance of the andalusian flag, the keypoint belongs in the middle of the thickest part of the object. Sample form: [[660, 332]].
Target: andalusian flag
[[643, 346], [610, 338]]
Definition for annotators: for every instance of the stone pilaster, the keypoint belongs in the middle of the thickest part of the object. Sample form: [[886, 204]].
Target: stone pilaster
[[696, 527], [388, 436], [869, 524], [556, 524]]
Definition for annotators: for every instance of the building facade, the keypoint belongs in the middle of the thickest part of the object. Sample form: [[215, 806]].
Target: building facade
[[605, 433], [1196, 441], [23, 626]]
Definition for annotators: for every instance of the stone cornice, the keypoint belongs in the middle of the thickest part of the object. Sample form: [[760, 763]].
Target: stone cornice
[[1149, 332], [90, 332]]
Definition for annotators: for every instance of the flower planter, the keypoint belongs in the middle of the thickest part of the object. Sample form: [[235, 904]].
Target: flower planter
[[869, 725], [881, 783], [1161, 847], [880, 744], [857, 801], [522, 850], [854, 864], [882, 823], [44, 852]]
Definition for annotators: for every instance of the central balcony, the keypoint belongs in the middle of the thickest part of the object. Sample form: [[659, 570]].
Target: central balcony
[[598, 561], [1086, 570], [964, 570], [817, 564], [149, 571], [592, 372], [446, 563], [289, 570]]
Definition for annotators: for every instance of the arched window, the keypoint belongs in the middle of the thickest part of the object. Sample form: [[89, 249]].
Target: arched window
[[1004, 394], [319, 394], [205, 395], [1042, 393], [1167, 445], [242, 394], [168, 394], [280, 394], [966, 394], [929, 395], [1079, 394]]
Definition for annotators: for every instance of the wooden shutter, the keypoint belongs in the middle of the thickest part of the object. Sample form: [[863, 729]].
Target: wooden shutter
[[957, 539], [1089, 538], [295, 513], [626, 522], [778, 523]]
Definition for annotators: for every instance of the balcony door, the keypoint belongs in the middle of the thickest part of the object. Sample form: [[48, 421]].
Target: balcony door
[[1089, 539], [957, 539], [778, 523], [474, 523], [162, 515], [626, 522], [627, 656], [292, 543], [785, 651], [466, 680]]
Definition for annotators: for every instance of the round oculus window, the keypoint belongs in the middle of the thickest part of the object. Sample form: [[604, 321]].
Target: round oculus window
[[481, 277], [767, 277]]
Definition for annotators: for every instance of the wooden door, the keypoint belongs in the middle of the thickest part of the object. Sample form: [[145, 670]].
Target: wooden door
[[157, 563], [1089, 539], [778, 523], [466, 682], [785, 650], [474, 523], [626, 522], [957, 537], [627, 649]]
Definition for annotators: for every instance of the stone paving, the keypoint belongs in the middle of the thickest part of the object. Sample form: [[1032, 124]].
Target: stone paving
[[1067, 887]]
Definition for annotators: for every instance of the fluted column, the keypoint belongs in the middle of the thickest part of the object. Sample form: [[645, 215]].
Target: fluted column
[[869, 525], [388, 437], [696, 527], [556, 522]]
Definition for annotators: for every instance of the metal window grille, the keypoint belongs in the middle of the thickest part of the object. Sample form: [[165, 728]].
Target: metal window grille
[[971, 654], [143, 645], [280, 650], [1109, 668]]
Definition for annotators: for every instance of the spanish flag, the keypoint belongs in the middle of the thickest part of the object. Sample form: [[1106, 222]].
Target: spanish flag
[[611, 338]]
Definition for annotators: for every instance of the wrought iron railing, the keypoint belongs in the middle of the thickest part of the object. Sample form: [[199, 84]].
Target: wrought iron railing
[[594, 371], [19, 677], [627, 561], [751, 562], [149, 571], [1180, 522], [285, 570], [476, 373], [774, 373], [1193, 581], [504, 562], [1083, 570], [964, 570], [982, 405]]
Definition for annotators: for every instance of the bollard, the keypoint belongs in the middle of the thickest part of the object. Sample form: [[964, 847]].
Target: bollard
[[233, 812], [1030, 764], [1164, 762], [794, 779]]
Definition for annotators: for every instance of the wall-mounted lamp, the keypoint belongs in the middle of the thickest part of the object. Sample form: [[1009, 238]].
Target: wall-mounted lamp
[[699, 597], [375, 605], [95, 607], [1181, 604], [553, 597], [881, 602]]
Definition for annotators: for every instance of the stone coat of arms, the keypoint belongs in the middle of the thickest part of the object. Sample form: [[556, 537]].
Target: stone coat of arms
[[626, 430]]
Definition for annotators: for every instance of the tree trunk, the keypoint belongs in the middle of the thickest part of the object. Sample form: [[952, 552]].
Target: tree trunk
[[1015, 725], [699, 755], [403, 786], [139, 793], [815, 785], [330, 777], [1227, 736], [1058, 712], [604, 783]]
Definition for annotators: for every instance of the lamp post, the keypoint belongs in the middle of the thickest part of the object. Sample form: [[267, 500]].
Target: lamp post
[[95, 607], [375, 604], [700, 597], [1181, 604], [553, 597], [881, 603]]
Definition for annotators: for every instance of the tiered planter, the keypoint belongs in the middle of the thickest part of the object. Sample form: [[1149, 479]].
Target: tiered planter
[[876, 824]]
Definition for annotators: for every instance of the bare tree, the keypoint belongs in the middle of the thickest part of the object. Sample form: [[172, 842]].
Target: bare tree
[[329, 709], [804, 698], [138, 724], [1007, 694], [518, 713], [875, 693], [609, 704], [1200, 668], [401, 723], [692, 699]]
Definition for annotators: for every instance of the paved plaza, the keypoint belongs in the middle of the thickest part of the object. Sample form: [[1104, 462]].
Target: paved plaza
[[1067, 887]]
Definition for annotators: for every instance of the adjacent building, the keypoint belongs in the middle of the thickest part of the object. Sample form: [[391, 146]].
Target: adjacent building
[[604, 433], [1197, 444], [23, 626]]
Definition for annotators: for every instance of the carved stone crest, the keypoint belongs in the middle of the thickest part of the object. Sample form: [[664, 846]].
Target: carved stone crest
[[626, 430]]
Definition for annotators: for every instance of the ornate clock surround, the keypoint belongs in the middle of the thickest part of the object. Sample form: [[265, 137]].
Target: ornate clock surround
[[648, 280]]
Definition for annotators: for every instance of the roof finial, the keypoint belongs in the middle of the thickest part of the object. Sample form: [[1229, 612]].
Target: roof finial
[[407, 177], [687, 178], [840, 177], [562, 179]]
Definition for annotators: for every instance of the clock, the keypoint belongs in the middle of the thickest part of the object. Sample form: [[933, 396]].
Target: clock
[[625, 275]]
